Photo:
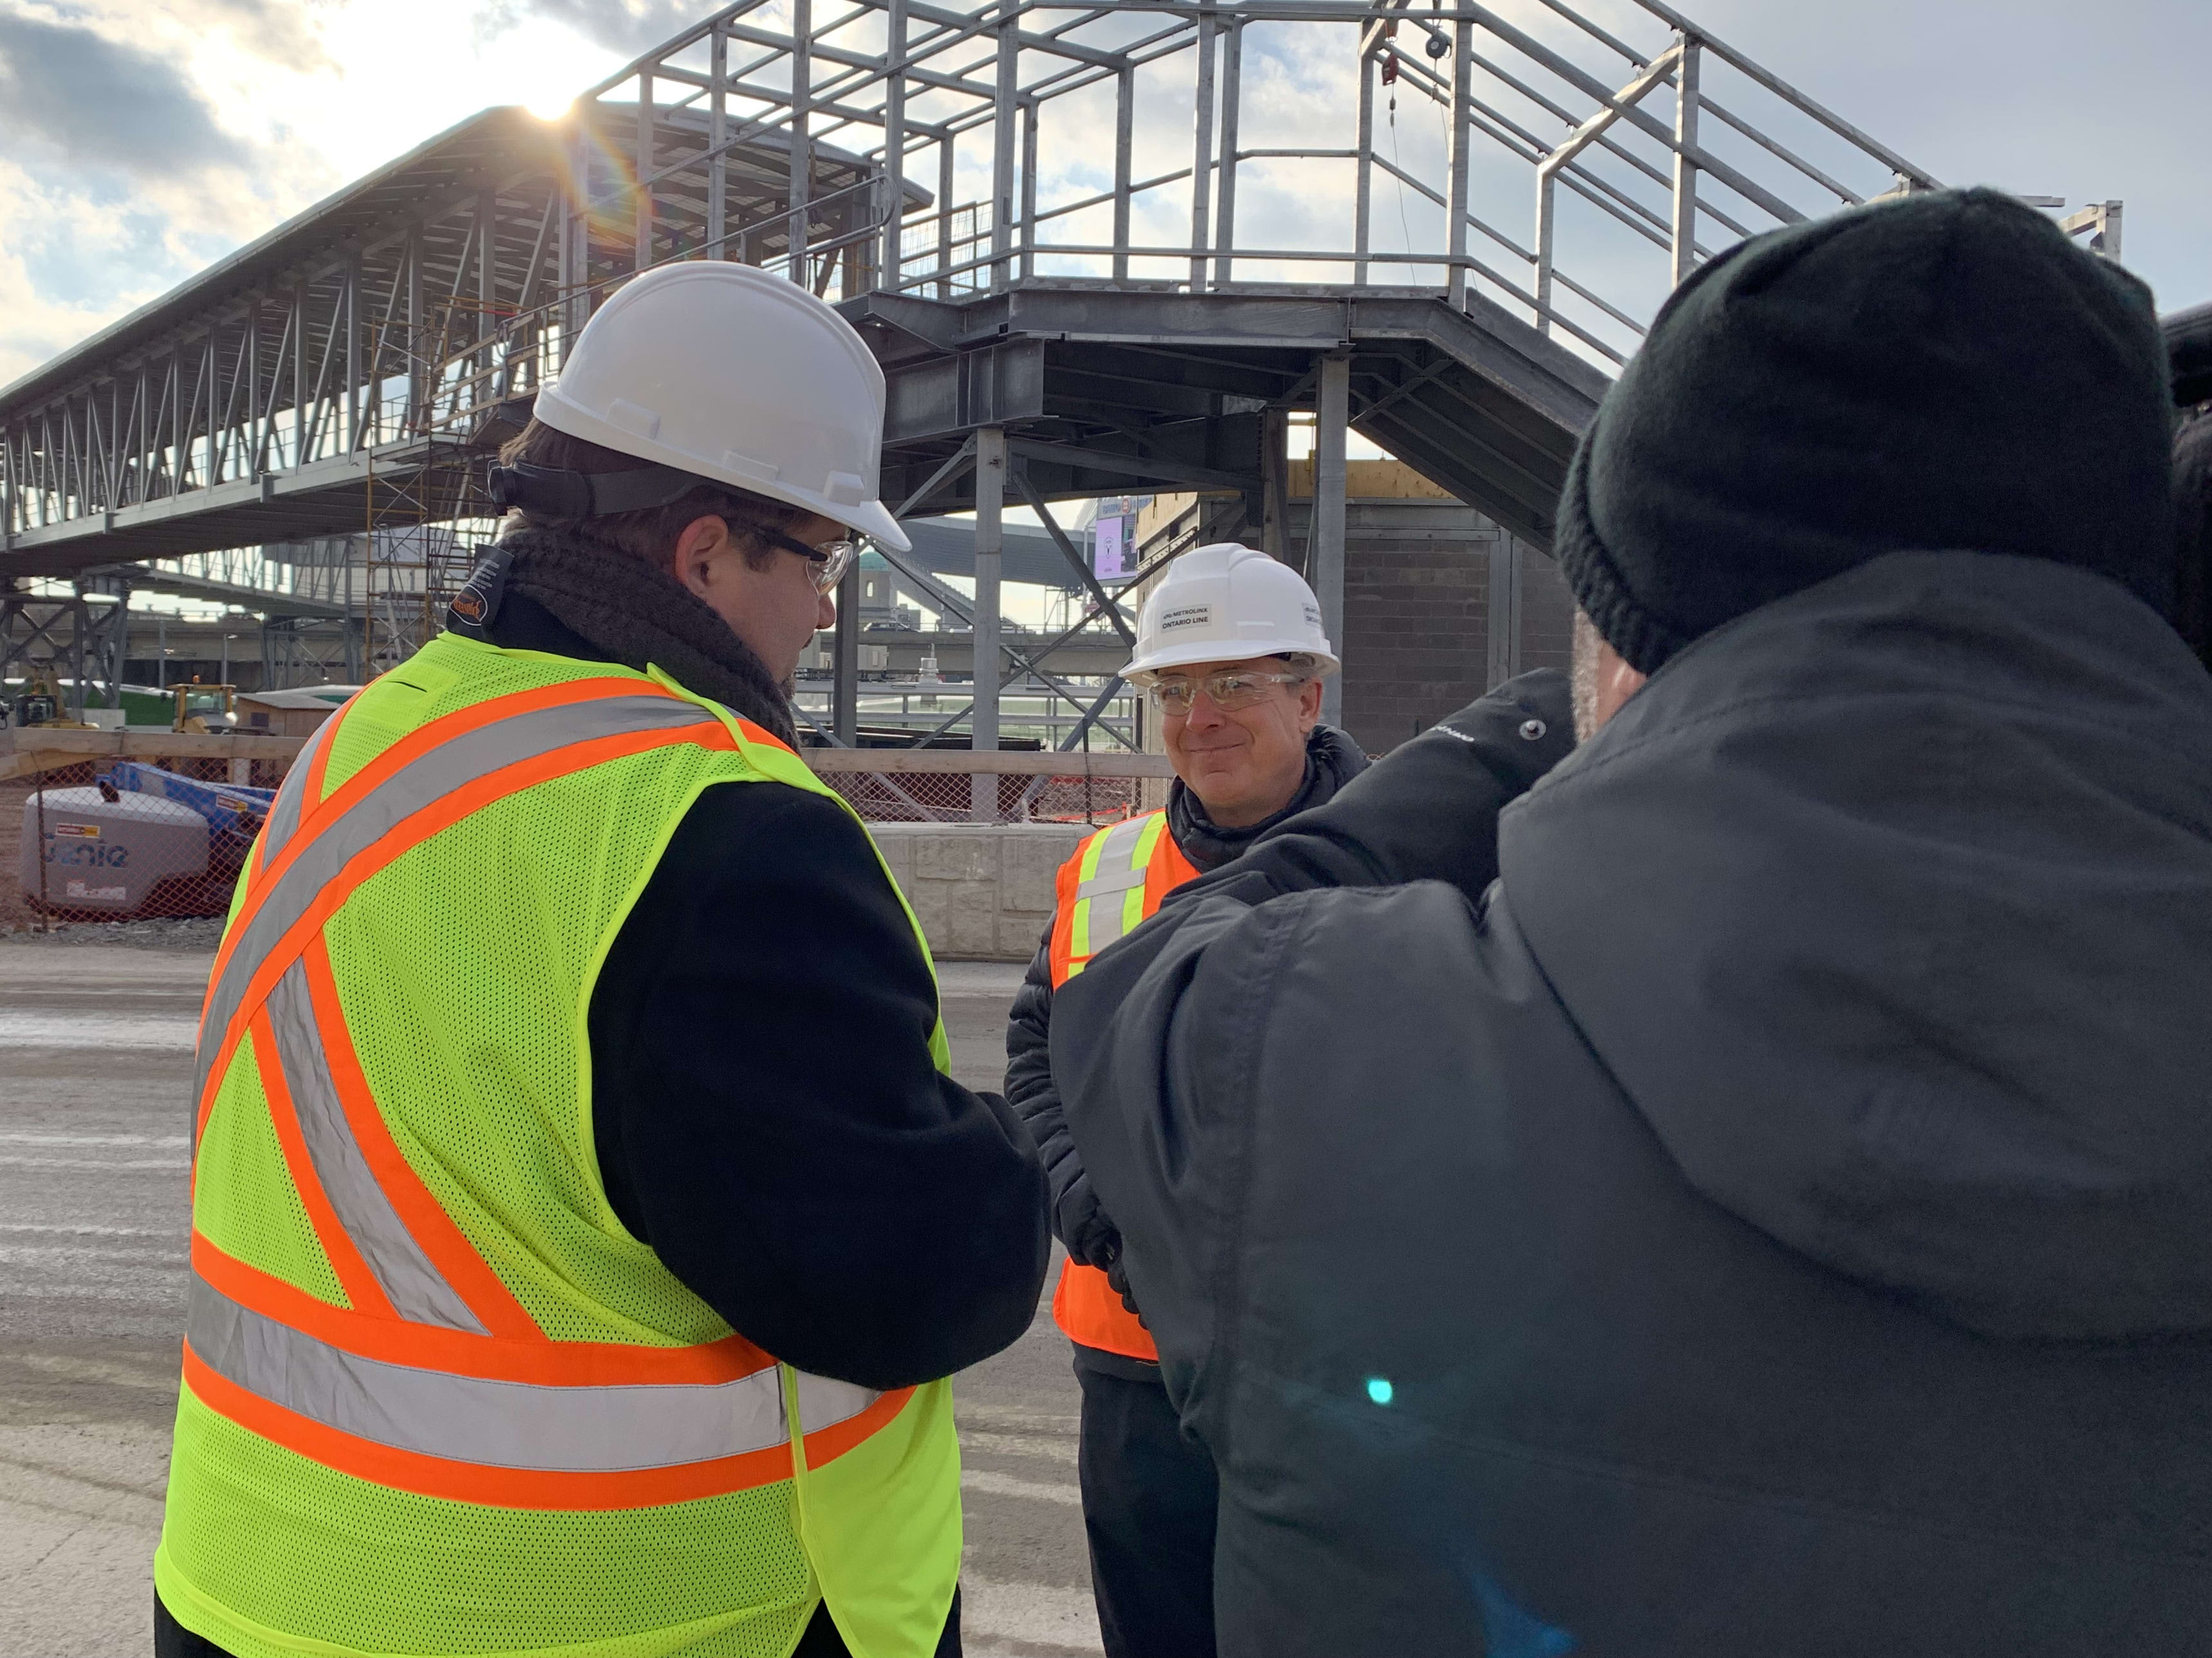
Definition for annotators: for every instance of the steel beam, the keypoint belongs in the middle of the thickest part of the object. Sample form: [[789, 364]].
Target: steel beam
[[1107, 607]]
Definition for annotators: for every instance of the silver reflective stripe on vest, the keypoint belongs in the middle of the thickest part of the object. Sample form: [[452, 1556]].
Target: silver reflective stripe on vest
[[292, 796], [420, 784], [506, 1425], [1120, 880], [1115, 876], [415, 1288]]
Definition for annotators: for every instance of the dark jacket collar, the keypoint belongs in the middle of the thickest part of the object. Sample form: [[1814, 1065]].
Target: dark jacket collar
[[568, 597]]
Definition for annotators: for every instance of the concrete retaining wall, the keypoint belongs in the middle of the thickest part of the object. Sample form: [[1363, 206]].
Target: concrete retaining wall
[[983, 892]]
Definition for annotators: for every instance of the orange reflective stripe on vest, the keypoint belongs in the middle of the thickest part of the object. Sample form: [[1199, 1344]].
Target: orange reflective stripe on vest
[[434, 1379], [1117, 878], [422, 784]]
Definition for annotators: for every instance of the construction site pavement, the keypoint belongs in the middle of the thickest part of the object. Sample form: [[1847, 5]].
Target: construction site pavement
[[95, 1045]]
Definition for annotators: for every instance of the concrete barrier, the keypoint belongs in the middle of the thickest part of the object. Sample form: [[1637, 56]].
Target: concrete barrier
[[983, 892]]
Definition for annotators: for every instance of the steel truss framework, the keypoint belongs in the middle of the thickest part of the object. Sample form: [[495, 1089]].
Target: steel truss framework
[[78, 639], [1097, 244]]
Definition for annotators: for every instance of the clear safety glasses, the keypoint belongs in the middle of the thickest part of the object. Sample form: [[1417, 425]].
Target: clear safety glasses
[[1236, 688], [831, 560]]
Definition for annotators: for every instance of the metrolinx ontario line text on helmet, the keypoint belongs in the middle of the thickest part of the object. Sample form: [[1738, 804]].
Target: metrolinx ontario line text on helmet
[[721, 374], [1227, 603]]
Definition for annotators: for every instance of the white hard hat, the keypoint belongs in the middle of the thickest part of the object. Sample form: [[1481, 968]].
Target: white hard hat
[[1228, 604], [739, 377]]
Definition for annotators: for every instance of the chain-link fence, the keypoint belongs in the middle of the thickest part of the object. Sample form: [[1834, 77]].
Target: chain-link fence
[[944, 798], [162, 836], [918, 786]]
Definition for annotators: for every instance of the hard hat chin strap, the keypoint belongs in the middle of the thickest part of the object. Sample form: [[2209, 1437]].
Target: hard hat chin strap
[[557, 493]]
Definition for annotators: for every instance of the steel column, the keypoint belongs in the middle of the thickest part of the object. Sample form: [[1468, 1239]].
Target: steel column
[[351, 311], [894, 182], [802, 143], [418, 361], [1462, 135], [1686, 170], [1028, 187], [1325, 566], [990, 502], [1125, 111], [487, 280], [947, 154], [299, 378], [575, 246], [845, 685], [1002, 136], [1224, 218], [718, 134], [1274, 482], [1504, 609], [1362, 188], [1201, 155]]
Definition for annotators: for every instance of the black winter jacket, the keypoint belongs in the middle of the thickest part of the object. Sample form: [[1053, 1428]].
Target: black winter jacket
[[764, 1108], [1332, 760], [1772, 1219]]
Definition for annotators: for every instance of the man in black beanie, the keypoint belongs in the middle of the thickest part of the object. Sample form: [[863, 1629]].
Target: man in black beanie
[[1771, 1216]]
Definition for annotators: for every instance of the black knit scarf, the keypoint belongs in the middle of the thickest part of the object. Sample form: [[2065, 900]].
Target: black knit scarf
[[638, 615]]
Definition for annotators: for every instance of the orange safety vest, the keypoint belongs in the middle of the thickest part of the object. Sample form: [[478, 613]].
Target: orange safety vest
[[1117, 878]]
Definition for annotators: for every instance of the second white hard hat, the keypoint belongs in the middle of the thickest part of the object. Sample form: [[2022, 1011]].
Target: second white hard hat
[[740, 377], [1228, 604]]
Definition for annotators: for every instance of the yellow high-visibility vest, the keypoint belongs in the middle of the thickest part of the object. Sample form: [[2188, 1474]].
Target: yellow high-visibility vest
[[436, 1398]]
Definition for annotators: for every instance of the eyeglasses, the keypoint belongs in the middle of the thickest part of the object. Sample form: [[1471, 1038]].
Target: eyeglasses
[[1238, 687], [831, 560]]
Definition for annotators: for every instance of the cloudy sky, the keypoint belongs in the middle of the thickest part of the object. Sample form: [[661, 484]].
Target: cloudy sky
[[140, 139]]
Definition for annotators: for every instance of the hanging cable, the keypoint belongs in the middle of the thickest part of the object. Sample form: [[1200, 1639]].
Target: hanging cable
[[1397, 166]]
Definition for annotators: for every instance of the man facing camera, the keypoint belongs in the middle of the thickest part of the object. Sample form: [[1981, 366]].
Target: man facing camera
[[1771, 1217], [1230, 648]]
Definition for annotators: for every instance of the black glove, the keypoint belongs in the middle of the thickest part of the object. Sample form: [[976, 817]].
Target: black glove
[[1117, 1280], [1082, 1226]]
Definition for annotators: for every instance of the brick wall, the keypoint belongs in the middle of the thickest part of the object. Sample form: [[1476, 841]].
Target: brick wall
[[1417, 613], [1416, 626], [1547, 613]]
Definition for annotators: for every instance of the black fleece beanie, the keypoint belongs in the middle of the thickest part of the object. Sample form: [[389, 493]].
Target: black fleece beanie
[[1942, 371]]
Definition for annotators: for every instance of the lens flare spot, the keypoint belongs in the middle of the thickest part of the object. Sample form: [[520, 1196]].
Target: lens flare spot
[[1380, 1390]]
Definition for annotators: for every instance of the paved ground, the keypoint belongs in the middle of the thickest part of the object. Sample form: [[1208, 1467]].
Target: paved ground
[[94, 1048]]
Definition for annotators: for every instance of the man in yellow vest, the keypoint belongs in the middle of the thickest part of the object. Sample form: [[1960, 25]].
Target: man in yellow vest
[[583, 1219], [1230, 647]]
